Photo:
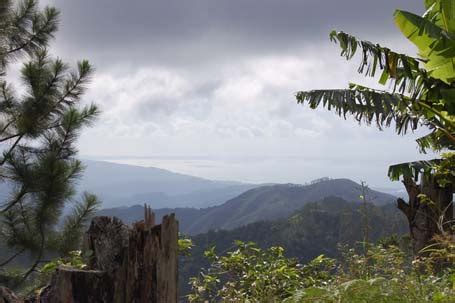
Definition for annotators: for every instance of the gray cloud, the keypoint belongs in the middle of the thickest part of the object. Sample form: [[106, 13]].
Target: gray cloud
[[199, 31], [216, 78]]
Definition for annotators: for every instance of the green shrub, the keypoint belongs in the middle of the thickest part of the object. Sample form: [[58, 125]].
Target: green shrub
[[250, 274], [370, 273]]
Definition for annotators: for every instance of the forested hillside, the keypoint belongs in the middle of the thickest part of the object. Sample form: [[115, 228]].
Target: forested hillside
[[318, 228], [262, 203]]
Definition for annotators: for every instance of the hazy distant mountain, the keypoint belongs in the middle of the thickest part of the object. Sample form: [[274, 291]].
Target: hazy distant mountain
[[394, 191], [262, 203], [126, 185]]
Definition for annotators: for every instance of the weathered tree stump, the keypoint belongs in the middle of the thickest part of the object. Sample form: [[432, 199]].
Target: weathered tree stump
[[81, 286], [137, 264], [7, 296]]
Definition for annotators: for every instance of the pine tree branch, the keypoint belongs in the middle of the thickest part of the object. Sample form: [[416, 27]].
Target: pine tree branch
[[12, 257], [72, 229], [24, 218], [63, 142], [5, 157], [47, 115], [47, 28], [37, 260], [70, 91], [20, 195], [11, 137], [25, 13], [8, 124]]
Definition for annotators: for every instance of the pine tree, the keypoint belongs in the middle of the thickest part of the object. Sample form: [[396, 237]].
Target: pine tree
[[38, 132]]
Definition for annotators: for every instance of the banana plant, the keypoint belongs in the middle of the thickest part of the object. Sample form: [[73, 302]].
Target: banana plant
[[419, 93]]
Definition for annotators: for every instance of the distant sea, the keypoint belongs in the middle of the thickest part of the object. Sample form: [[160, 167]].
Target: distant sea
[[267, 169]]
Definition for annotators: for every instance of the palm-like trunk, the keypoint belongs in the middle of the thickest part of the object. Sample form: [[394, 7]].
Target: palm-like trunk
[[427, 215]]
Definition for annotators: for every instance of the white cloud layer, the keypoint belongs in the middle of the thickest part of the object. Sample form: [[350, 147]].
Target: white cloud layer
[[216, 80], [240, 110]]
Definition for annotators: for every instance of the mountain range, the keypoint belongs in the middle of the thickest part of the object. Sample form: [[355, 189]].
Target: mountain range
[[306, 220], [201, 204], [268, 202], [126, 185]]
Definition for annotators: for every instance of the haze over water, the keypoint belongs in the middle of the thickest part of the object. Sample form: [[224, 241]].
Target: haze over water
[[266, 169]]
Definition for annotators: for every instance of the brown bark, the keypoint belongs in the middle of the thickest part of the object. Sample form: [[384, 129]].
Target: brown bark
[[154, 250], [136, 264], [426, 218], [7, 296], [82, 286]]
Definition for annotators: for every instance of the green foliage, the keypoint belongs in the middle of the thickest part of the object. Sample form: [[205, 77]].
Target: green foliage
[[384, 273], [433, 36], [69, 238], [442, 250], [444, 171], [185, 245], [250, 274], [38, 132], [411, 169], [74, 259], [24, 29], [421, 92], [375, 290], [315, 229]]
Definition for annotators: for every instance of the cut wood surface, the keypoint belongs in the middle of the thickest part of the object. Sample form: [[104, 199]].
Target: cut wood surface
[[129, 264]]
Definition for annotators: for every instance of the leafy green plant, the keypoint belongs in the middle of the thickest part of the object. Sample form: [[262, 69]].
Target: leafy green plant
[[382, 273], [185, 245], [251, 274], [75, 259], [421, 94]]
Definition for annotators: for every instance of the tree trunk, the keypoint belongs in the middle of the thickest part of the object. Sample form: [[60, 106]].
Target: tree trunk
[[82, 286], [7, 296], [136, 264], [427, 216]]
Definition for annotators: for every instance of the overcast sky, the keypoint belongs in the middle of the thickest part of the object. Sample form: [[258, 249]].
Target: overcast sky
[[215, 79]]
